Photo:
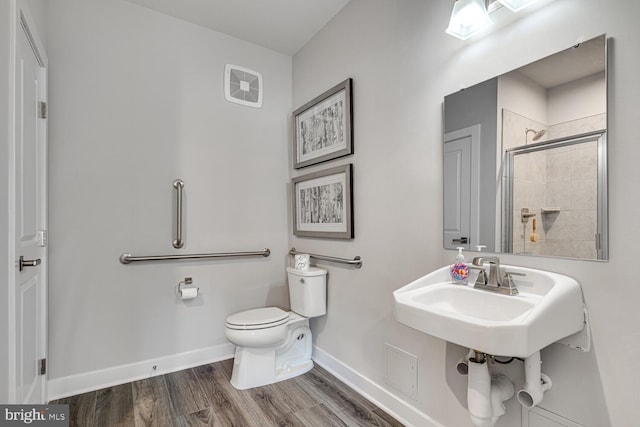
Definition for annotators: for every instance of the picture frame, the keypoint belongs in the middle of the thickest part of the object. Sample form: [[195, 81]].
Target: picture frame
[[323, 128], [323, 203]]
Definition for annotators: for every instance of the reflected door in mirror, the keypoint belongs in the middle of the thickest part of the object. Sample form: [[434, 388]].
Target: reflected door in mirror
[[461, 195]]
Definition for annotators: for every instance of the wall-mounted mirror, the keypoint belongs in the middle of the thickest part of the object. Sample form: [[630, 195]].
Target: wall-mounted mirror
[[525, 168]]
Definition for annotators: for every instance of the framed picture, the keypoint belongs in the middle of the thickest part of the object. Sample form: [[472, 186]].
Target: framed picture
[[322, 127], [322, 204]]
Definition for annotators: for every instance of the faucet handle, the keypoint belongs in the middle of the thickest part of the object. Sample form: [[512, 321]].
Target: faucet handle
[[508, 275], [482, 275], [508, 282]]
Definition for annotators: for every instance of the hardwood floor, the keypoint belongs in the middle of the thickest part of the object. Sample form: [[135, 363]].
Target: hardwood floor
[[203, 396]]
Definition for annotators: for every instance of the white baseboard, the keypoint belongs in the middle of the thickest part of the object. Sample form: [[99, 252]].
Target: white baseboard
[[383, 398], [96, 380]]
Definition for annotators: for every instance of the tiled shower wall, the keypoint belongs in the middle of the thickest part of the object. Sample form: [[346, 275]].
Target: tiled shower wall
[[564, 179]]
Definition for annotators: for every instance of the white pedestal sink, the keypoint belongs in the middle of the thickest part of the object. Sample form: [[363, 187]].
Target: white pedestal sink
[[548, 308]]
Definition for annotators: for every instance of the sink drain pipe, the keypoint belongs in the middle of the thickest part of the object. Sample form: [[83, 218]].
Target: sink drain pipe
[[486, 394], [536, 383], [462, 366]]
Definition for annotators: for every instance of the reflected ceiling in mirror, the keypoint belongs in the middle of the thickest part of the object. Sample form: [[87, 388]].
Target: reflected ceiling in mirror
[[519, 141]]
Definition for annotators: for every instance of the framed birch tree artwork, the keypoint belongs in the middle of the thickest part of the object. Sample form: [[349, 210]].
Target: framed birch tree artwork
[[323, 127], [323, 204]]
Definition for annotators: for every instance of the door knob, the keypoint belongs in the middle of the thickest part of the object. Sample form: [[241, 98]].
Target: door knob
[[28, 263]]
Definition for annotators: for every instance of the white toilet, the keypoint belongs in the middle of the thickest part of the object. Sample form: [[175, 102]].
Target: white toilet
[[274, 345]]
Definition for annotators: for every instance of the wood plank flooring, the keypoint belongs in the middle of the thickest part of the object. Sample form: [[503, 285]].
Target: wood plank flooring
[[203, 396]]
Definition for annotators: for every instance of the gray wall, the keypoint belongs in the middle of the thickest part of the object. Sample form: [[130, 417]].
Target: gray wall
[[136, 100], [403, 64]]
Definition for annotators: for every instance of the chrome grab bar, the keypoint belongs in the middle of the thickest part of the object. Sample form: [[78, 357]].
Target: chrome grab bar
[[128, 258], [178, 184], [356, 261]]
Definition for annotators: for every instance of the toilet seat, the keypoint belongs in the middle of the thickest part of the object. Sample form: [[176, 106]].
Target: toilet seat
[[259, 318]]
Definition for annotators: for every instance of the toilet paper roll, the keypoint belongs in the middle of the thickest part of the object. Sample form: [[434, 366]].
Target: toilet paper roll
[[302, 262], [188, 293]]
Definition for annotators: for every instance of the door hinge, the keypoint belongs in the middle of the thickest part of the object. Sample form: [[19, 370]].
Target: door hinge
[[43, 238], [42, 110], [43, 366]]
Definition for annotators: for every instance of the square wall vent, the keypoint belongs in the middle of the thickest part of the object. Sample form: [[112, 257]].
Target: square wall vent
[[243, 86], [401, 370]]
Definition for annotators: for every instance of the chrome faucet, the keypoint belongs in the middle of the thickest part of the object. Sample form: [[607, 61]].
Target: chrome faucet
[[494, 270], [495, 282]]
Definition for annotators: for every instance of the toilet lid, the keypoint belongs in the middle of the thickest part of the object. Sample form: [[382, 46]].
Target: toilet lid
[[258, 318]]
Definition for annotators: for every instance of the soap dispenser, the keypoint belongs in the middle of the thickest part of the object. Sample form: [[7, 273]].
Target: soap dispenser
[[459, 270]]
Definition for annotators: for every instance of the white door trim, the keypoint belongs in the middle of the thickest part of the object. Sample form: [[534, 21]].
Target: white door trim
[[21, 19]]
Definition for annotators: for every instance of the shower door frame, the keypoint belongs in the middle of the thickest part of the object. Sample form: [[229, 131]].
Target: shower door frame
[[602, 236]]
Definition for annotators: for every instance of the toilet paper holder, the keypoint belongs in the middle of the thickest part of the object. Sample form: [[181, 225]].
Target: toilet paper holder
[[186, 283]]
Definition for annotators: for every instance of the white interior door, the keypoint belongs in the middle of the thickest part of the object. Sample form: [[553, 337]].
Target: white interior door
[[30, 218], [457, 193], [461, 188]]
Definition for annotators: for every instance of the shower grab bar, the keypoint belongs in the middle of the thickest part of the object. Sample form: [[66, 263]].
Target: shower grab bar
[[128, 258], [356, 261], [178, 184]]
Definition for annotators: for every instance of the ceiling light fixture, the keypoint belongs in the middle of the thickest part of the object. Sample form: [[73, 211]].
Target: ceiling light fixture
[[516, 5], [470, 16], [467, 18]]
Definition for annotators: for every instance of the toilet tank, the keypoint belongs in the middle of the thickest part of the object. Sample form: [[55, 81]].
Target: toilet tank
[[308, 291]]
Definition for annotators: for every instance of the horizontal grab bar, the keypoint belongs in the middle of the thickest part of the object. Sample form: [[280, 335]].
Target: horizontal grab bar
[[128, 258], [356, 261]]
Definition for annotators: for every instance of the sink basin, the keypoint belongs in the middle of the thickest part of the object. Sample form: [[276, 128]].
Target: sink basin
[[548, 308]]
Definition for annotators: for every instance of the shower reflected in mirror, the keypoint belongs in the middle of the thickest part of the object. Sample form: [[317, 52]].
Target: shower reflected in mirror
[[561, 186]]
